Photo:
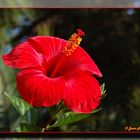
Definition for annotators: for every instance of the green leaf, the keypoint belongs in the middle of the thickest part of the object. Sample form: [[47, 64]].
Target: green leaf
[[18, 129], [31, 116], [70, 117], [103, 91], [24, 127], [21, 106]]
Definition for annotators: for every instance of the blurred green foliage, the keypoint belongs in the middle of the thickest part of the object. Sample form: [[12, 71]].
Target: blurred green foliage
[[111, 40]]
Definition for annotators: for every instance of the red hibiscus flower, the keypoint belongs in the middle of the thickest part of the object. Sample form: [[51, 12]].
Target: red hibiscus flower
[[54, 70]]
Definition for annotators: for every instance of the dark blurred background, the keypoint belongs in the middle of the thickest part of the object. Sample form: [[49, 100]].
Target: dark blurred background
[[111, 40]]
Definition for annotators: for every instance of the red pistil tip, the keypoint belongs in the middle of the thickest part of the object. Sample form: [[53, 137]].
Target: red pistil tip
[[80, 32], [73, 42]]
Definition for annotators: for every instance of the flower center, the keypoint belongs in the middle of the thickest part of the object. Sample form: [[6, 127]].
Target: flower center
[[73, 42]]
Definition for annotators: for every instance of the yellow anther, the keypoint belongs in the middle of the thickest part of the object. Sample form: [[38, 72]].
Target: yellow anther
[[73, 42]]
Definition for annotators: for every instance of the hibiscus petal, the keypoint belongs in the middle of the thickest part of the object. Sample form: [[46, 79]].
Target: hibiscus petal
[[39, 90], [22, 56], [47, 45], [84, 62], [82, 92]]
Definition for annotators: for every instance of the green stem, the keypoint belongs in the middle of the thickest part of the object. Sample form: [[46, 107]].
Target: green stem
[[54, 111]]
